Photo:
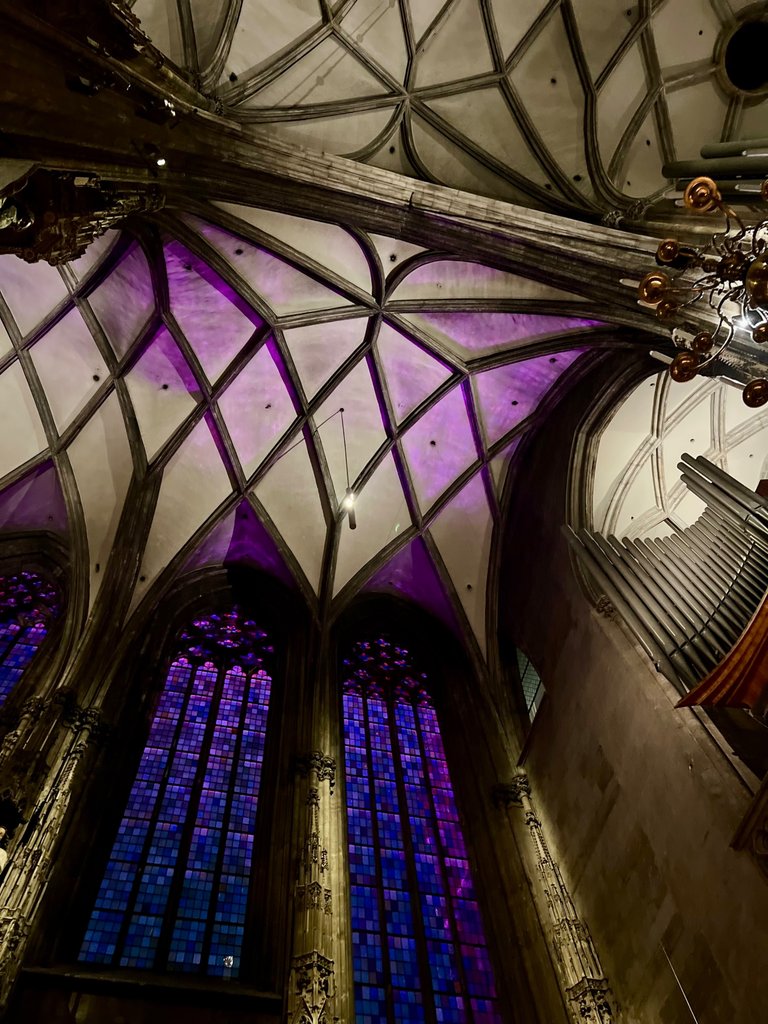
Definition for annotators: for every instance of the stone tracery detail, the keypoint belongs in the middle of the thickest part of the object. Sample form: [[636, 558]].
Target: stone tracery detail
[[312, 986], [587, 991]]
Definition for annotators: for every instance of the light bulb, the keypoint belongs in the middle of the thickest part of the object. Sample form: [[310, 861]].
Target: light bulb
[[161, 161], [348, 503]]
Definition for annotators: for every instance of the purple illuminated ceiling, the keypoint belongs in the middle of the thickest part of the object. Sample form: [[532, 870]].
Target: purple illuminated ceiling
[[34, 502], [411, 574], [507, 395], [478, 333], [233, 395]]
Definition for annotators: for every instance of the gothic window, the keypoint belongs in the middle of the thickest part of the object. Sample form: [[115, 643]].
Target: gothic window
[[419, 948], [175, 891], [533, 688], [28, 605]]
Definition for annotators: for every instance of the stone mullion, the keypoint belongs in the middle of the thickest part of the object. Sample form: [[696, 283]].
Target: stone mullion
[[526, 979]]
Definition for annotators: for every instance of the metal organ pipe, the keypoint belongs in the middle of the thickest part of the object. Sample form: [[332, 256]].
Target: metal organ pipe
[[689, 596]]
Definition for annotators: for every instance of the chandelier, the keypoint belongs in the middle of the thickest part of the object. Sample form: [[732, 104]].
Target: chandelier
[[729, 274]]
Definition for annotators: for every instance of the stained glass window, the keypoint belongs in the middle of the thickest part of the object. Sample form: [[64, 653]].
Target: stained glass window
[[419, 948], [175, 891], [533, 688], [28, 605]]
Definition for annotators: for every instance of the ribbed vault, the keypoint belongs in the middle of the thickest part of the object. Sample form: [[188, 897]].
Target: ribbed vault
[[212, 351], [637, 487], [569, 104]]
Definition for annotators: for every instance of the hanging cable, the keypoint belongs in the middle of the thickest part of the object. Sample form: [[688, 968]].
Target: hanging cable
[[348, 502]]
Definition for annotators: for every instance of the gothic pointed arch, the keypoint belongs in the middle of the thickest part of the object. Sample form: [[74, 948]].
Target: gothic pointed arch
[[178, 879], [424, 946]]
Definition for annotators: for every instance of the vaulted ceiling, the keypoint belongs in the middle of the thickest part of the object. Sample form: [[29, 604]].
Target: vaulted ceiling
[[220, 352], [209, 351], [568, 103]]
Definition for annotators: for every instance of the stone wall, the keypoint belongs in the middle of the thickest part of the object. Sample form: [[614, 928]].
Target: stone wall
[[639, 802]]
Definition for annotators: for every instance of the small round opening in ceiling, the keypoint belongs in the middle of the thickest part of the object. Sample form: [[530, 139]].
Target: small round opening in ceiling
[[744, 58]]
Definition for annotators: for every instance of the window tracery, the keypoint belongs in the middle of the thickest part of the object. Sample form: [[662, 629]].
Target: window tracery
[[174, 895], [28, 605], [419, 948]]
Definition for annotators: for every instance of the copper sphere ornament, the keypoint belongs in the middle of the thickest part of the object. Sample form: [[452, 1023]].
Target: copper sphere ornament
[[654, 287], [666, 309], [756, 282], [755, 393], [702, 343], [684, 366], [760, 333], [702, 195], [668, 250]]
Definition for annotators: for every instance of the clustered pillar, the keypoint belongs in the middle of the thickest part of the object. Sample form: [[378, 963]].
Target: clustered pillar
[[312, 981], [586, 989]]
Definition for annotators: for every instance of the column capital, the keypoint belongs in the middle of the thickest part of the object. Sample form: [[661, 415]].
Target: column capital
[[510, 794], [323, 766]]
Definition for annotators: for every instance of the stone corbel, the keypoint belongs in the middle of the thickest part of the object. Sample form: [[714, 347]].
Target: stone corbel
[[313, 989], [318, 763]]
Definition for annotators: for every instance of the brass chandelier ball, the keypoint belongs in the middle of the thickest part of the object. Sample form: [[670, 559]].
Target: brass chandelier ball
[[654, 287], [668, 250], [702, 195], [756, 282], [684, 366], [702, 343], [755, 393], [760, 333]]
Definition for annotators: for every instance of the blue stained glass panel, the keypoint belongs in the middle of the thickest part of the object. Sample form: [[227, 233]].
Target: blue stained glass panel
[[28, 604], [418, 936], [174, 894]]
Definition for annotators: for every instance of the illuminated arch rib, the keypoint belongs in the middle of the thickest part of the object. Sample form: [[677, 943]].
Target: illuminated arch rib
[[175, 891], [28, 605], [419, 947]]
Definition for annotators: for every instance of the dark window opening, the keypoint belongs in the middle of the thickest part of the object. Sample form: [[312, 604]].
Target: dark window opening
[[745, 56]]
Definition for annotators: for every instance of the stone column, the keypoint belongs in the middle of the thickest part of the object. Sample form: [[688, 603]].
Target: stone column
[[312, 980], [43, 761], [587, 992]]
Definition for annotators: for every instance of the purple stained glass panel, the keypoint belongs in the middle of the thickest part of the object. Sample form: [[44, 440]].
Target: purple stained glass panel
[[28, 605], [175, 891], [418, 938]]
